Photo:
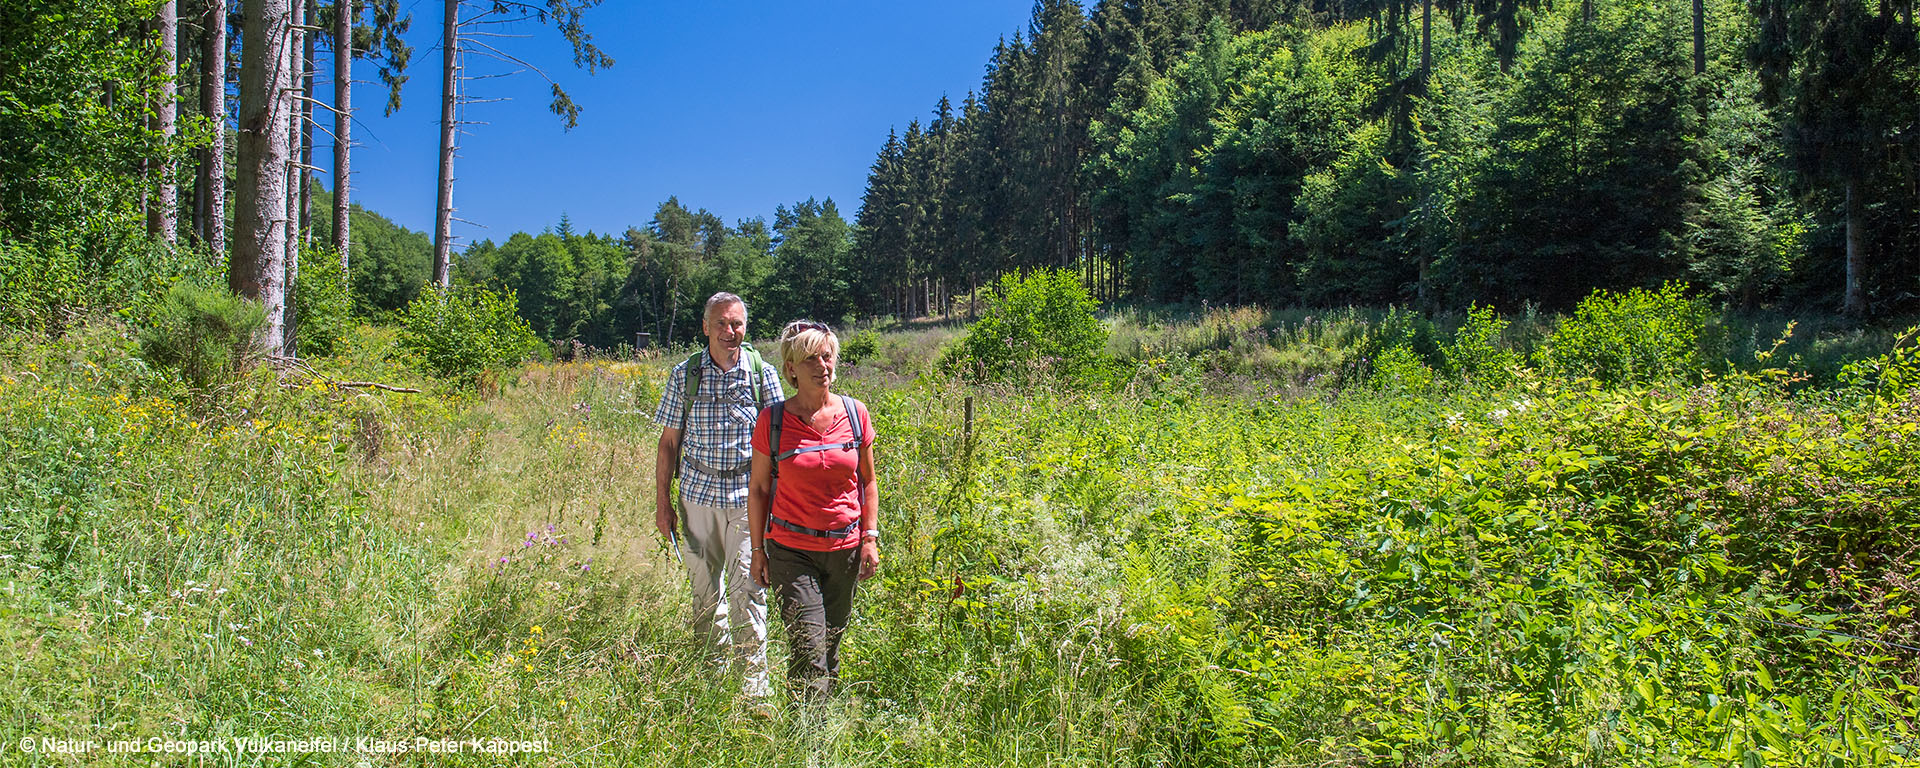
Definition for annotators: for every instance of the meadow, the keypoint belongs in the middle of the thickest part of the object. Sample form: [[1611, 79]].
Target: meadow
[[1247, 538]]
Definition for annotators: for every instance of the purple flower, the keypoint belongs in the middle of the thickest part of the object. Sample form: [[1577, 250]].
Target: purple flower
[[549, 527], [503, 561]]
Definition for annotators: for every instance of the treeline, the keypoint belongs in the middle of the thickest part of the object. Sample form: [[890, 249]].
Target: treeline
[[1433, 152], [601, 289]]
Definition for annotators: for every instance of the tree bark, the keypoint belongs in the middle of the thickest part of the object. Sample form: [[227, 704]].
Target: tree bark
[[258, 269], [1855, 303], [311, 13], [342, 125], [299, 48], [163, 215], [210, 188], [443, 208]]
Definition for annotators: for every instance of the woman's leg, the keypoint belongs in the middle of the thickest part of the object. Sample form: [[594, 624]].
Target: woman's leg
[[842, 572], [797, 582]]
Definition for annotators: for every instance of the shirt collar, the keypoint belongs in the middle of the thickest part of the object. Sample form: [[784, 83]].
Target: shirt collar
[[739, 364]]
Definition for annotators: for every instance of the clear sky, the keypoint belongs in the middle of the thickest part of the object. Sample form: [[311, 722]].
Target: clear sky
[[733, 107]]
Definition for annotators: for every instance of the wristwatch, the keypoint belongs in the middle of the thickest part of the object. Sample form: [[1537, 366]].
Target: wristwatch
[[870, 533]]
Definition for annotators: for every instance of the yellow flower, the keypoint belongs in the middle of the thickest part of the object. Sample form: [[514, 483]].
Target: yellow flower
[[536, 629]]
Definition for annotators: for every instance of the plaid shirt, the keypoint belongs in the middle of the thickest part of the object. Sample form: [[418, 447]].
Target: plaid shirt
[[721, 433]]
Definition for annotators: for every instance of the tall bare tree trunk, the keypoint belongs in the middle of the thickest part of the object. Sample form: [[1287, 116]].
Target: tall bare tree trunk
[[1699, 37], [311, 14], [258, 269], [163, 215], [1855, 303], [299, 47], [443, 208], [342, 124], [210, 188]]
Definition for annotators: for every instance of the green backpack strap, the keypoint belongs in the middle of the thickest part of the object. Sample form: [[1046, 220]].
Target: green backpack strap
[[754, 365]]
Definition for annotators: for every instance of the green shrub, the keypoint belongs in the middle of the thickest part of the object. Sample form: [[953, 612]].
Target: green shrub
[[859, 346], [459, 332], [1637, 336], [1889, 377], [1477, 354], [1399, 368], [1398, 329], [1041, 322], [322, 308], [208, 334]]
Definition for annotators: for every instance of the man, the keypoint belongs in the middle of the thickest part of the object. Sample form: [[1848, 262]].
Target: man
[[706, 434]]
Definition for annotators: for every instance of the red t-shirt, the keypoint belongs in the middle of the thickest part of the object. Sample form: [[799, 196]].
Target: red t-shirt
[[818, 490]]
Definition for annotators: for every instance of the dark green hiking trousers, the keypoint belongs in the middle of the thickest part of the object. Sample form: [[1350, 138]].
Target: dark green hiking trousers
[[815, 591]]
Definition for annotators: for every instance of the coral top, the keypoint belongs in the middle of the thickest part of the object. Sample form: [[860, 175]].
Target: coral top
[[820, 489]]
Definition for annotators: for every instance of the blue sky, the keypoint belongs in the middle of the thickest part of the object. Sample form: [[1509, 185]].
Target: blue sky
[[733, 107]]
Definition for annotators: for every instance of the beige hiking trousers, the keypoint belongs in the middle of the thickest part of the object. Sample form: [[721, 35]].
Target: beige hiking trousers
[[728, 608]]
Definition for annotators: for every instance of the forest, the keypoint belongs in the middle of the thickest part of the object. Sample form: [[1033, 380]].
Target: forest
[[1256, 382], [1434, 154]]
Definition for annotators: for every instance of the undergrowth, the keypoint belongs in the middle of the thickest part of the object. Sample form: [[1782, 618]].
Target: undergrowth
[[1159, 566]]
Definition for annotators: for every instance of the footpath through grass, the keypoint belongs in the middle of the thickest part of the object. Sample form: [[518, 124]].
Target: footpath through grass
[[1170, 568]]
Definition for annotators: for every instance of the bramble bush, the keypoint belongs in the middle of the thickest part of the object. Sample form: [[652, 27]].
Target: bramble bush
[[460, 332], [1633, 337], [207, 334], [1043, 320]]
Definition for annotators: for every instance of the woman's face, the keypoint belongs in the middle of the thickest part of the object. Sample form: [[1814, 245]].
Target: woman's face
[[814, 371]]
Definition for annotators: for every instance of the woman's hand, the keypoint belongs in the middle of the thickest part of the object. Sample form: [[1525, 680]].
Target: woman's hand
[[869, 559], [758, 570]]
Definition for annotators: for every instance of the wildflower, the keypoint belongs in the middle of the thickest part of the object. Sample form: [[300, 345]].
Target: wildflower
[[536, 630], [503, 560]]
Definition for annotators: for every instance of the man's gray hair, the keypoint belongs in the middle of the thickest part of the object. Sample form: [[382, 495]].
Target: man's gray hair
[[723, 299]]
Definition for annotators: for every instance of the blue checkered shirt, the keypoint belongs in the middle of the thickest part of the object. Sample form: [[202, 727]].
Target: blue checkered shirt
[[721, 433]]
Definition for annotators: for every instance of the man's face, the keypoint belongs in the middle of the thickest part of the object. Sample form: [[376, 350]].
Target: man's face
[[726, 326]]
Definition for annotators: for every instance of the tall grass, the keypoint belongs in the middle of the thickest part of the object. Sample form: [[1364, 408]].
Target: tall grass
[[1143, 573]]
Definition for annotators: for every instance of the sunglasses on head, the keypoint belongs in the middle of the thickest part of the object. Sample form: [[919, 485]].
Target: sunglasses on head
[[810, 326]]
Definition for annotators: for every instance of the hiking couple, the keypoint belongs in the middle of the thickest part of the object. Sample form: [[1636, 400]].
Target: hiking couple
[[776, 492]]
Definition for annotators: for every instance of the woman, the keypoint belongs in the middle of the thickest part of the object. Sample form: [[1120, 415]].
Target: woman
[[813, 506]]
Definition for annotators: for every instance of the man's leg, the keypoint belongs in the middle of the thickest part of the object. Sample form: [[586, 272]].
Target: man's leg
[[746, 607], [704, 547]]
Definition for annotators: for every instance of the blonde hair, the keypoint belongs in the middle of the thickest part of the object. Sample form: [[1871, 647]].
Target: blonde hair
[[802, 339]]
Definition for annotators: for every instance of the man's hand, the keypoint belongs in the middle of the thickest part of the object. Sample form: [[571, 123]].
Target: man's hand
[[759, 569], [664, 519]]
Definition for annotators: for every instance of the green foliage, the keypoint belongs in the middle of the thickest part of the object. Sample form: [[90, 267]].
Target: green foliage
[[322, 309], [74, 80], [813, 275], [207, 334], [1041, 322], [859, 346], [1633, 337], [1399, 368], [1889, 378], [1478, 353], [1398, 329], [464, 331]]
